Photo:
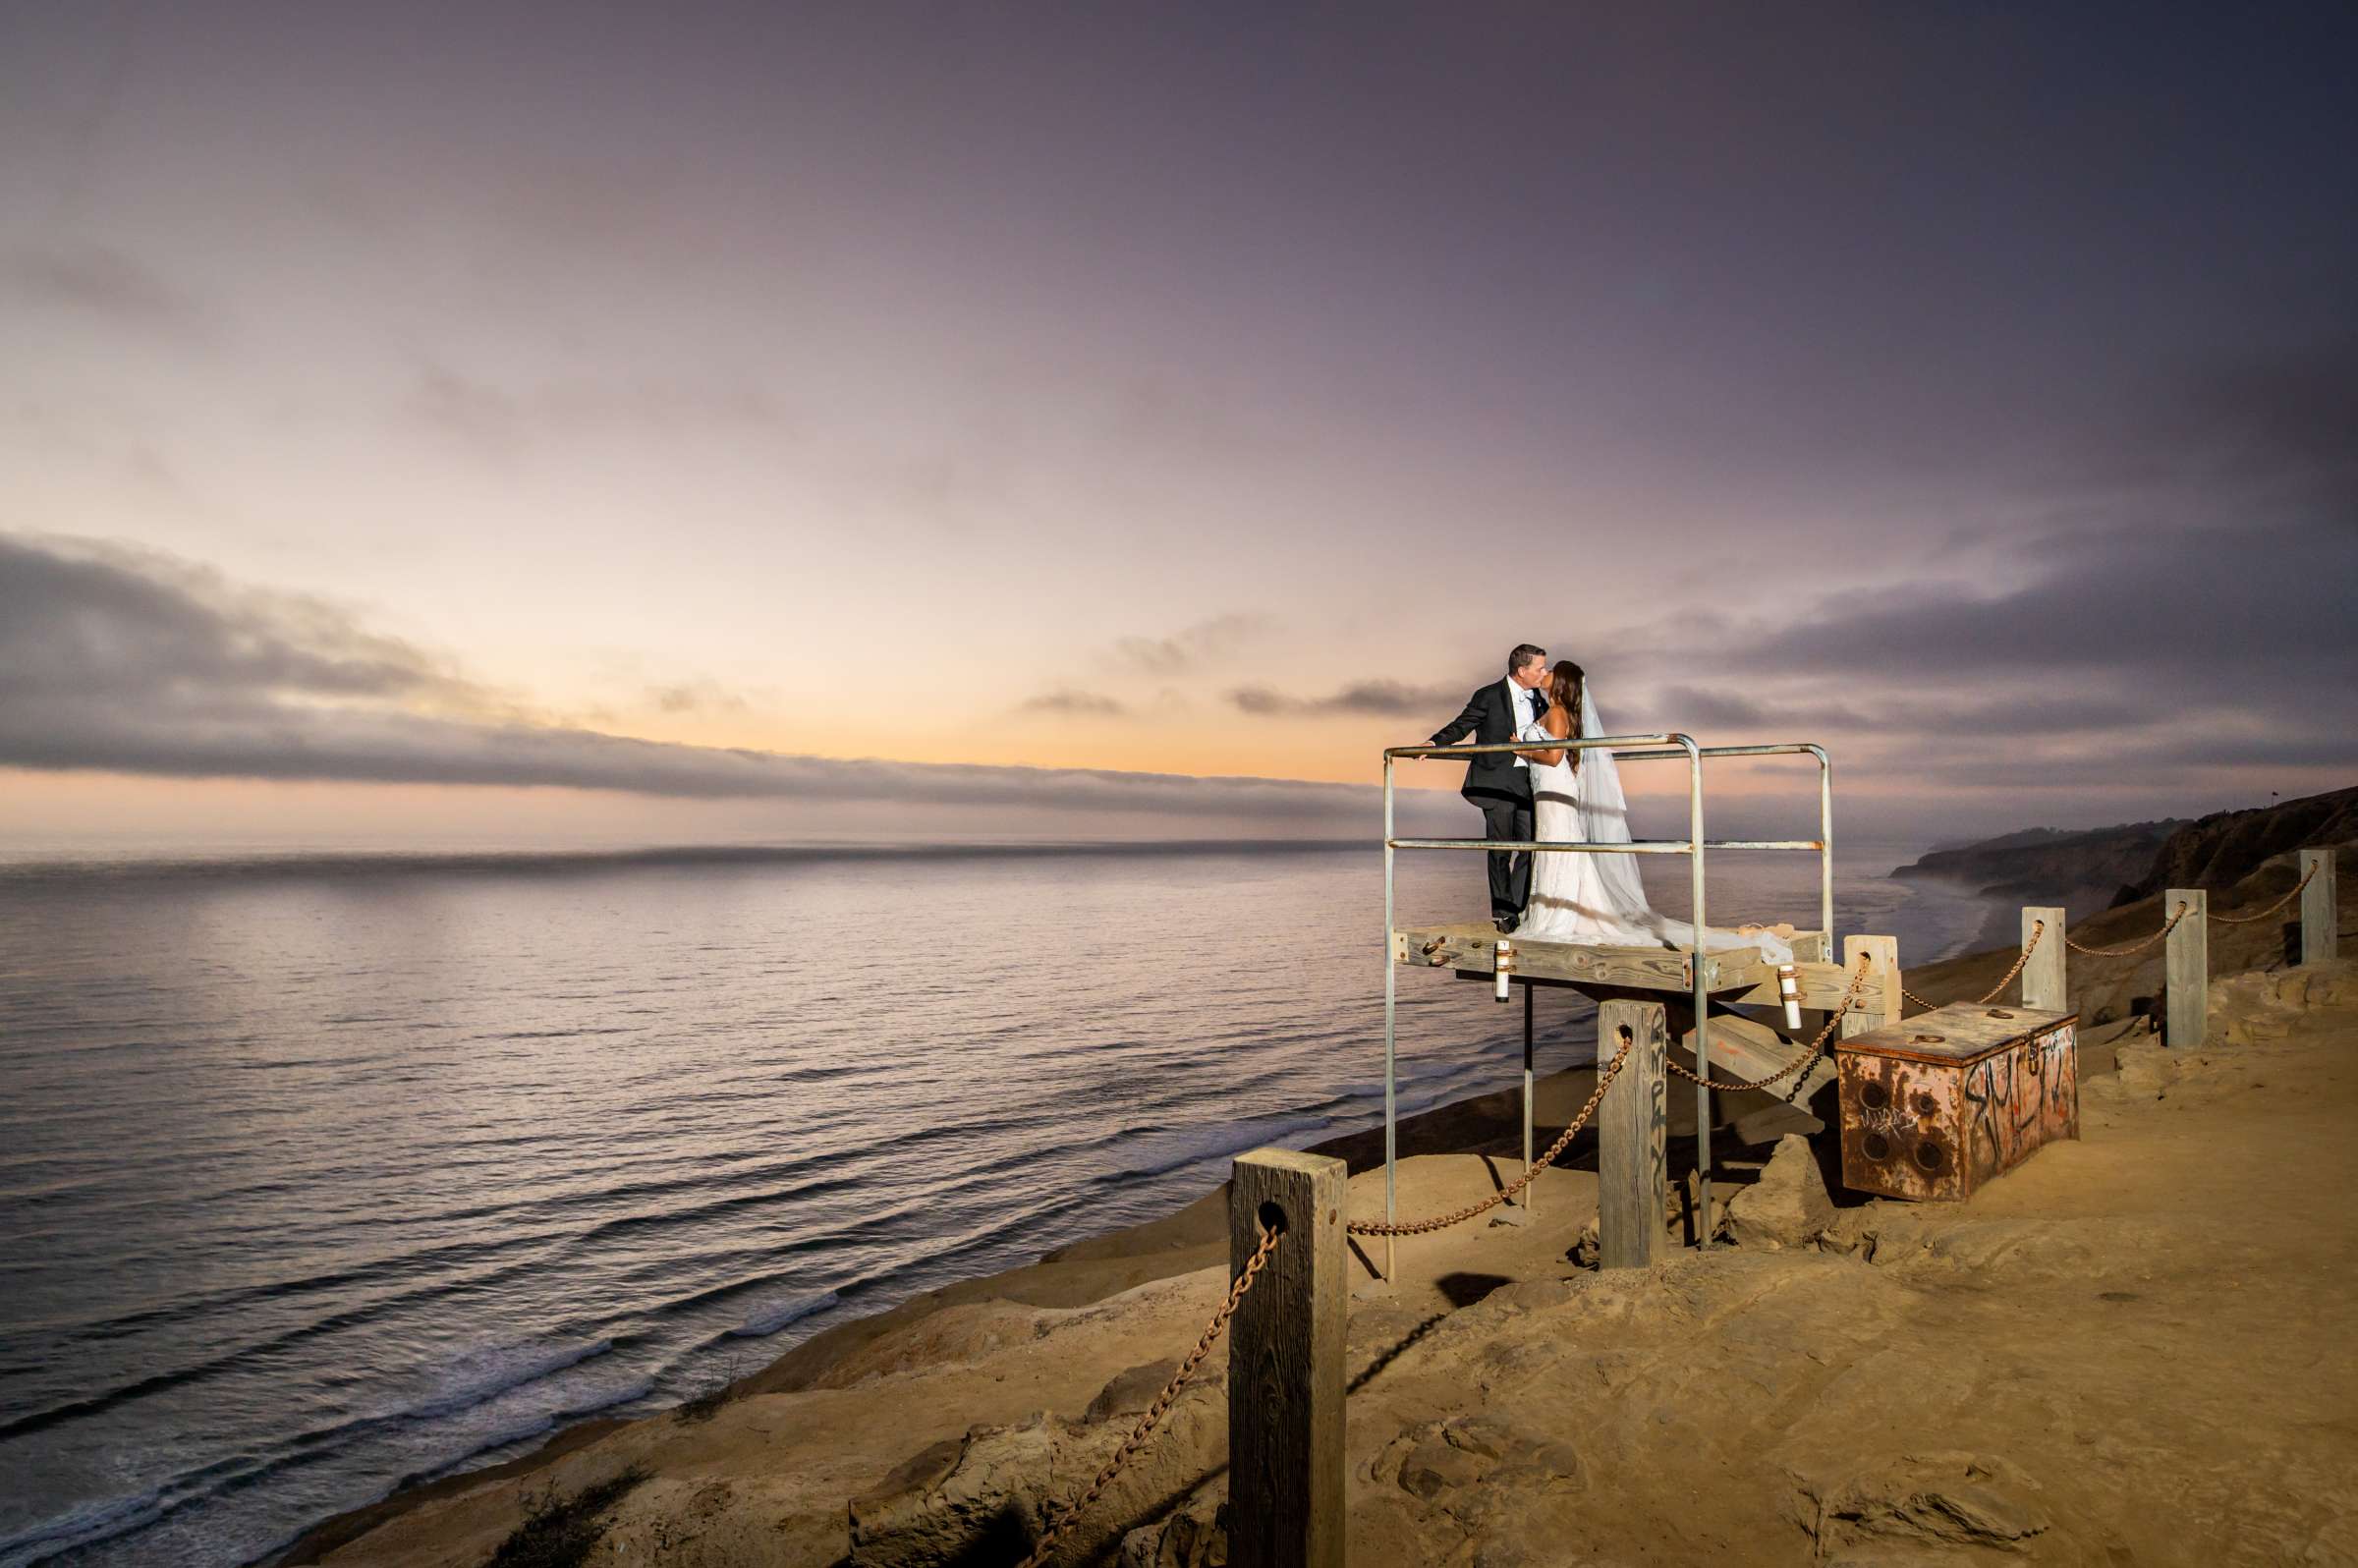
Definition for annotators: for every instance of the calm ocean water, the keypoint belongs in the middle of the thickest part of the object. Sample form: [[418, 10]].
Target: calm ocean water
[[317, 1175]]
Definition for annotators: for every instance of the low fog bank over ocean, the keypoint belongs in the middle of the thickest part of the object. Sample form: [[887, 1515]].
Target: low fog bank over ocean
[[324, 1170]]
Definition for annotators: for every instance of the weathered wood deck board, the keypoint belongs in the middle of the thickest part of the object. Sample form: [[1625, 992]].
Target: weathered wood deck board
[[1472, 948]]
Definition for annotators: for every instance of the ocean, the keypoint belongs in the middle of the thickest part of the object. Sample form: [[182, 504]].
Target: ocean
[[319, 1173]]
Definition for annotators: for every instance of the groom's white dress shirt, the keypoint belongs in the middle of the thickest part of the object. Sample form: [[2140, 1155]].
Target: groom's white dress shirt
[[1522, 702]]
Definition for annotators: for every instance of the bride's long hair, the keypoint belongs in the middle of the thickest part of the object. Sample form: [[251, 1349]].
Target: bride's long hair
[[1565, 681]]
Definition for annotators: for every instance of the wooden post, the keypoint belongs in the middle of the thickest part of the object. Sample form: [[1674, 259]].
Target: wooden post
[[2042, 982], [1879, 1000], [2320, 911], [1632, 1167], [2186, 967], [1285, 1363]]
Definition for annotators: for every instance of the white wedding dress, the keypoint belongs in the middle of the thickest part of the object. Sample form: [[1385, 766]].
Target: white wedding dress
[[1597, 899]]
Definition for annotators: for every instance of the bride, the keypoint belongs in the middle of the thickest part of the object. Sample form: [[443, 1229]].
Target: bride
[[1576, 798]]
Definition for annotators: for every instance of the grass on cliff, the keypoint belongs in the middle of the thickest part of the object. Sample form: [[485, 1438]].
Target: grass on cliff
[[562, 1531], [707, 1405]]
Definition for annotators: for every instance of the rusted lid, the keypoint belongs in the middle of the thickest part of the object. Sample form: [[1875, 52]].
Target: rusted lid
[[1958, 1033]]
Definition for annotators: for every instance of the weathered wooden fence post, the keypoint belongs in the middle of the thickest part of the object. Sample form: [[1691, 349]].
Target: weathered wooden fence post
[[2043, 983], [2186, 967], [2321, 911], [1879, 1000], [1285, 1363], [1631, 1168]]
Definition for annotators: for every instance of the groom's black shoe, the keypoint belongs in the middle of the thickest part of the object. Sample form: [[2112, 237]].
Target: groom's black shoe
[[1506, 923]]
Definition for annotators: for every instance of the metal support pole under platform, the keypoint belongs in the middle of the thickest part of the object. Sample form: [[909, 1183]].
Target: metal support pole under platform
[[1530, 1193]]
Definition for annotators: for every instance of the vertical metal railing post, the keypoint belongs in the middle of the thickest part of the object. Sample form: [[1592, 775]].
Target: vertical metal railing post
[[1826, 849], [1702, 992], [1529, 1201], [1391, 980]]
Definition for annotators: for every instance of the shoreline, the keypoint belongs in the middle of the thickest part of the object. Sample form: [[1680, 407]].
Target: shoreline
[[1081, 1273]]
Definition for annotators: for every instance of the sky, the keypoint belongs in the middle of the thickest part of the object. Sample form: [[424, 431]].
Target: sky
[[489, 424]]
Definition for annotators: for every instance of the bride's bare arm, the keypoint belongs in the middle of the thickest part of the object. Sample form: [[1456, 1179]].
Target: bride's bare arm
[[1556, 723]]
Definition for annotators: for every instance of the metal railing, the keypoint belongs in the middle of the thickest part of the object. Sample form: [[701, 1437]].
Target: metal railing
[[1636, 749]]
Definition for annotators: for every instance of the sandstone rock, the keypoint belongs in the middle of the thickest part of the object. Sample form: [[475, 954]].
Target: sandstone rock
[[2145, 1068], [966, 1494], [1484, 1437], [1522, 1552], [1434, 1466], [1938, 1500], [2330, 989], [1787, 1206], [987, 1496], [1194, 1535], [2269, 1025], [1130, 1394], [2337, 1542]]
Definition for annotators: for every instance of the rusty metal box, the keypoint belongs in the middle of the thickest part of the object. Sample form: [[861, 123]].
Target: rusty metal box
[[1936, 1106]]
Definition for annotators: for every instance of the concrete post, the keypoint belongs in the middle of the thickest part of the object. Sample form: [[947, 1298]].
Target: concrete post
[[2186, 967], [2042, 982], [2320, 911]]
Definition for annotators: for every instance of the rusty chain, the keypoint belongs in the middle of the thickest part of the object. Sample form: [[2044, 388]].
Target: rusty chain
[[1817, 1046], [1418, 1227], [2037, 929], [2133, 948], [1163, 1401], [2246, 920]]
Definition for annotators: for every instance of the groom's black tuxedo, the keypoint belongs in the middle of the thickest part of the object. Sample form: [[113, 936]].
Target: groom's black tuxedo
[[1493, 782], [1491, 719]]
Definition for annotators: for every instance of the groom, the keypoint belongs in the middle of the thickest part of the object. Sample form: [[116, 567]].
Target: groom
[[1499, 782]]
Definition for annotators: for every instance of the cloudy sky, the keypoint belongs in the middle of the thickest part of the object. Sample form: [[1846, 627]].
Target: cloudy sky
[[490, 421]]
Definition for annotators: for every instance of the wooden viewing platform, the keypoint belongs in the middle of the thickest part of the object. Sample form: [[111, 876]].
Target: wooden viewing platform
[[1651, 998]]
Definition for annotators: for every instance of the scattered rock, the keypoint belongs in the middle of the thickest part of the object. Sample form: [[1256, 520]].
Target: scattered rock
[[1195, 1534], [1787, 1207], [1516, 1551], [2145, 1068], [1482, 1436], [1130, 1394], [1436, 1466], [1941, 1499], [2334, 985], [988, 1499], [966, 1494]]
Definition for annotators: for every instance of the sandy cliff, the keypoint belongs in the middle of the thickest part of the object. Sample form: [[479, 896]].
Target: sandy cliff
[[2081, 871], [2222, 849]]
